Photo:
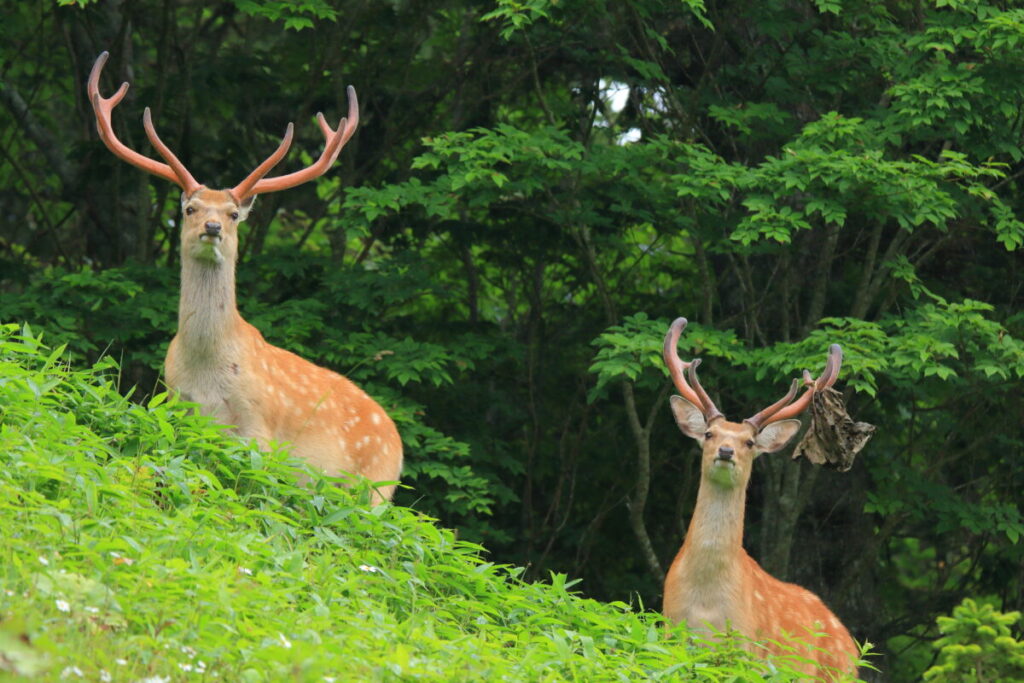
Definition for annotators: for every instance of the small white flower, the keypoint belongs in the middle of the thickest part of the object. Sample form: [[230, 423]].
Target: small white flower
[[10, 594], [43, 561], [329, 679], [284, 641], [70, 671], [63, 606], [245, 570], [200, 667], [92, 610], [105, 676], [121, 662], [154, 679], [184, 666], [368, 568]]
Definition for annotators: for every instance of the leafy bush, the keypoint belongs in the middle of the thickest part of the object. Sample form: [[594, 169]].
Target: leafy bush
[[143, 541], [977, 645]]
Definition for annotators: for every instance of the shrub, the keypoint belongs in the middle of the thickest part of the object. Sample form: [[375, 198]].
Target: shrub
[[978, 646]]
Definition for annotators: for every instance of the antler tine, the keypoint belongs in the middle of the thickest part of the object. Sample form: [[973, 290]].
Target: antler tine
[[103, 108], [780, 411], [678, 368], [349, 123], [244, 189], [831, 372], [335, 140], [187, 182], [710, 411], [760, 417]]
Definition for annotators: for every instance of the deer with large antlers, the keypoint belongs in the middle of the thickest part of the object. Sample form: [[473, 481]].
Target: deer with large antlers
[[220, 361], [713, 584]]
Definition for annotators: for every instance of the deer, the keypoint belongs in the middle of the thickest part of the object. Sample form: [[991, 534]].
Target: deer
[[221, 362], [713, 585]]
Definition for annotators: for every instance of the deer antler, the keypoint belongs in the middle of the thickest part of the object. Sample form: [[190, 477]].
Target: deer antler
[[256, 184], [103, 107], [678, 370], [781, 411], [176, 172]]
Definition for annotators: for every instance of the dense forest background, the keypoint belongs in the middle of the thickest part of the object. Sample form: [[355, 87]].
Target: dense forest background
[[536, 189]]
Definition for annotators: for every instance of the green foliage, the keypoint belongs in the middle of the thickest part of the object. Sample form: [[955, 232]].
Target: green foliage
[[977, 645], [141, 541], [514, 14], [934, 339], [293, 15], [634, 348], [79, 309]]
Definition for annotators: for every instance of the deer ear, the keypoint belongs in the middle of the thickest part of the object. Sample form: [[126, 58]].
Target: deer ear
[[244, 207], [776, 435], [689, 417]]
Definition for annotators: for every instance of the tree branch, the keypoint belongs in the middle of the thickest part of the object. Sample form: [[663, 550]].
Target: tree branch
[[45, 142], [638, 501]]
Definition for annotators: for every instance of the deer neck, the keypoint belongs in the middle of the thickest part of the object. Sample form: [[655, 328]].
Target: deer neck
[[714, 539], [207, 312]]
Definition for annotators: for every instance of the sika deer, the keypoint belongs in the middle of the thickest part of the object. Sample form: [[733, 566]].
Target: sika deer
[[220, 361], [713, 584]]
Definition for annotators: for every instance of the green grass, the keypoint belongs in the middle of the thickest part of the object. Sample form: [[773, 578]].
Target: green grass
[[142, 542]]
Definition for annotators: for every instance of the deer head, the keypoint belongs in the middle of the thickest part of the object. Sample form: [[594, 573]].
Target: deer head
[[210, 218], [729, 448]]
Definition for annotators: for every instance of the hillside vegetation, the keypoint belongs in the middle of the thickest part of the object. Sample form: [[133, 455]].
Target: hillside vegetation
[[142, 542]]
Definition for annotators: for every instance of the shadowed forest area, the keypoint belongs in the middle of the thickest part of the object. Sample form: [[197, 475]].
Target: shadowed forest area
[[536, 189]]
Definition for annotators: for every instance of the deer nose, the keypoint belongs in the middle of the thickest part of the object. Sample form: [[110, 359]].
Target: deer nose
[[212, 228], [725, 453]]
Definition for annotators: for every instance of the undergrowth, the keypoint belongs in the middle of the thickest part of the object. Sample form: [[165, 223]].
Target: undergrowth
[[142, 542]]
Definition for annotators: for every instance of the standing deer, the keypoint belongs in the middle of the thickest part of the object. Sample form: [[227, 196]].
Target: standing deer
[[713, 582], [220, 361]]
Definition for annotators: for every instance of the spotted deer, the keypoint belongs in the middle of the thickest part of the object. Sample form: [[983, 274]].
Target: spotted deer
[[223, 363], [713, 584]]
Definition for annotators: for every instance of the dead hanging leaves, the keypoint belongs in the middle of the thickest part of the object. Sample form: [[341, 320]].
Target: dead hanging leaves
[[833, 439]]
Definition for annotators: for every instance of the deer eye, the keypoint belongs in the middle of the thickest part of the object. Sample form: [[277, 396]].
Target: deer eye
[[234, 215], [707, 435], [750, 443], [189, 211]]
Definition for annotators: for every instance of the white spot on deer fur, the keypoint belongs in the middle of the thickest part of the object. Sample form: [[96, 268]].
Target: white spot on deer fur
[[376, 418], [757, 594]]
